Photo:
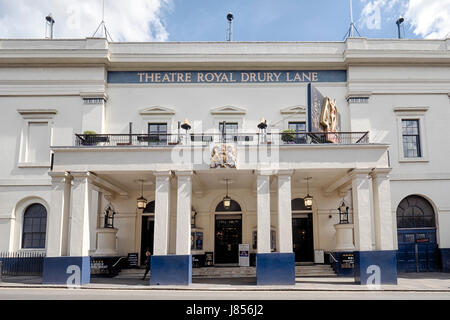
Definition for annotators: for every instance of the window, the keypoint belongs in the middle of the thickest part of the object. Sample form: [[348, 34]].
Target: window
[[157, 133], [415, 212], [34, 227], [298, 127], [411, 138], [411, 134], [227, 133]]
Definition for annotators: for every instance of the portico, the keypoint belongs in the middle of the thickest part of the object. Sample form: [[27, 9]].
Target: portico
[[264, 197]]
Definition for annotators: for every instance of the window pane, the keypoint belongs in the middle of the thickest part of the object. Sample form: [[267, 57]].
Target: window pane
[[411, 140], [415, 212], [34, 226]]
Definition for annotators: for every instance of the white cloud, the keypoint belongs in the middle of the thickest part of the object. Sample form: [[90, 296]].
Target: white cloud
[[126, 20], [371, 15], [427, 18]]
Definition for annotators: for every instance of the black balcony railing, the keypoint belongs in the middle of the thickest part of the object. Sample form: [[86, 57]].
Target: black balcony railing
[[165, 139]]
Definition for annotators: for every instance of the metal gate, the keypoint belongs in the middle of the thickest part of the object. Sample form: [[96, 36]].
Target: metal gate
[[417, 250]]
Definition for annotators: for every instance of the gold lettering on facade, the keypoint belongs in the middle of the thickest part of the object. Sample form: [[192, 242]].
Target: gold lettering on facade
[[226, 77]]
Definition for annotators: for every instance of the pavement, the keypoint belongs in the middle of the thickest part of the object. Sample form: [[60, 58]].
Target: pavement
[[408, 282]]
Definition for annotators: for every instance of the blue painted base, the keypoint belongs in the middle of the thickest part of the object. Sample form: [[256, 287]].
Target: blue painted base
[[376, 267], [171, 270], [445, 258], [67, 270], [275, 269]]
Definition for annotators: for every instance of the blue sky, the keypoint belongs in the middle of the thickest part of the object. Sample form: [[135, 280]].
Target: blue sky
[[205, 20], [269, 20]]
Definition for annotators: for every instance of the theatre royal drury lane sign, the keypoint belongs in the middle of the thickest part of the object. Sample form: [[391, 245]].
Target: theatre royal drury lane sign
[[265, 76]]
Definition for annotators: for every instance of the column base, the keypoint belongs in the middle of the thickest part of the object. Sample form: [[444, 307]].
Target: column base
[[275, 269], [376, 267], [71, 271], [445, 258], [171, 270]]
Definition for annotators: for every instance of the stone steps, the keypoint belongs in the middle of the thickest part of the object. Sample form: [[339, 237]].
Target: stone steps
[[237, 272]]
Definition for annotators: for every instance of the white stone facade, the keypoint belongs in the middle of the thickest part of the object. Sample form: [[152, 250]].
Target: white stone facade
[[51, 90]]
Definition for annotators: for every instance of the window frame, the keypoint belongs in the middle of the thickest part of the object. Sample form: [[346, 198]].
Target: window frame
[[18, 224], [412, 113], [418, 146], [34, 116]]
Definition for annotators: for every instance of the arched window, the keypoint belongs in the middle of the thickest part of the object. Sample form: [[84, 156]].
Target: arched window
[[234, 207], [150, 207], [34, 227], [415, 212]]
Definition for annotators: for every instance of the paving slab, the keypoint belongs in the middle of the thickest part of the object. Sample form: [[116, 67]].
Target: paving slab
[[422, 282]]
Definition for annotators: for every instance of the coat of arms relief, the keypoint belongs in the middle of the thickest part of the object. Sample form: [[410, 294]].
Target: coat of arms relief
[[223, 156]]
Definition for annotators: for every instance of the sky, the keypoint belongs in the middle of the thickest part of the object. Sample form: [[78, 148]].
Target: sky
[[205, 20]]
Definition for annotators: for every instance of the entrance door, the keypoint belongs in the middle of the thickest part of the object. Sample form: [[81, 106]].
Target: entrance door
[[228, 236], [148, 228], [303, 241]]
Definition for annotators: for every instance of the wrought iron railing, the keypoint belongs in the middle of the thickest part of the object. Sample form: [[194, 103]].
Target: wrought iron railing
[[165, 139], [21, 263]]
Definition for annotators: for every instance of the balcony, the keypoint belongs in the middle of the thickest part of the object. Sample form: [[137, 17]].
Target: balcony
[[201, 139], [198, 151]]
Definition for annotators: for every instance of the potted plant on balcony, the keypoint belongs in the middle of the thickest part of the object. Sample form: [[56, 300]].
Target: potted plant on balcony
[[91, 138], [288, 136]]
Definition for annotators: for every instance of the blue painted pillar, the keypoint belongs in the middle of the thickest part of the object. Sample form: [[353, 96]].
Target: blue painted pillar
[[376, 267], [70, 271], [275, 269], [445, 258], [171, 270]]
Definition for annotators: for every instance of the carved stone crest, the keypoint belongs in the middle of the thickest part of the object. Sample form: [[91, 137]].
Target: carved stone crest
[[223, 156]]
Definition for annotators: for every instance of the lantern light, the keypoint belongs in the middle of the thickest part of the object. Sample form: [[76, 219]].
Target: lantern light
[[343, 213], [109, 216], [141, 201], [308, 199]]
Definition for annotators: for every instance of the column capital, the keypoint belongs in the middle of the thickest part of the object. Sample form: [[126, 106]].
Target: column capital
[[60, 177], [184, 173], [82, 175], [165, 173], [285, 172], [359, 173], [264, 172], [380, 173]]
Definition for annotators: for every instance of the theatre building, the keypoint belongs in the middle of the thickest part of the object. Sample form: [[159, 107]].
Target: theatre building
[[216, 154]]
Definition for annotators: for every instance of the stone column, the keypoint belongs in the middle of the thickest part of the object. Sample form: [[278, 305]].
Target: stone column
[[58, 218], [263, 211], [385, 232], [372, 267], [172, 269], [284, 232], [75, 268], [361, 210], [184, 209], [276, 268], [162, 209], [384, 227]]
